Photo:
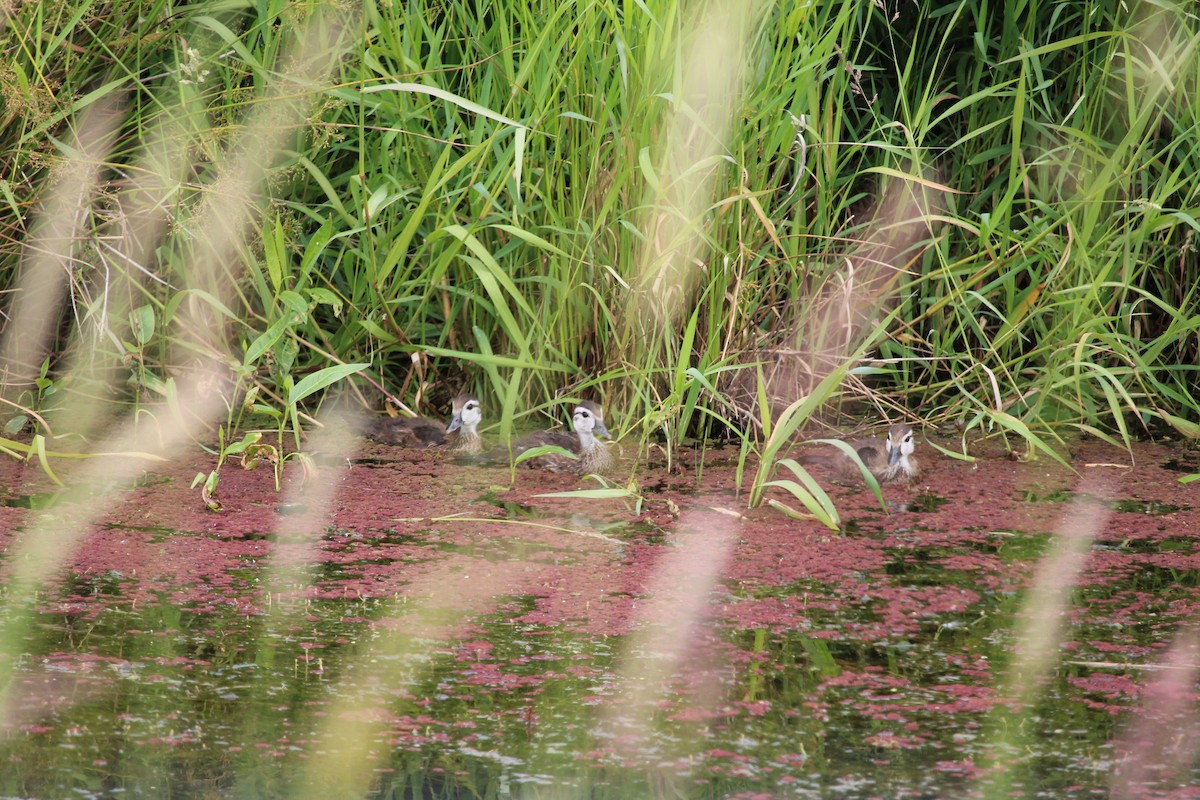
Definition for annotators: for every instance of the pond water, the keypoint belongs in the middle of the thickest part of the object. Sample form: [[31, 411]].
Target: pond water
[[431, 632]]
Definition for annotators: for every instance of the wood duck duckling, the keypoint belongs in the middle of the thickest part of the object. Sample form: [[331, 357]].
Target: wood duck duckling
[[897, 462], [592, 455], [461, 435], [890, 460]]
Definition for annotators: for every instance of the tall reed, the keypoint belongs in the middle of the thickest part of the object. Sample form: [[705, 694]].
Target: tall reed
[[478, 198]]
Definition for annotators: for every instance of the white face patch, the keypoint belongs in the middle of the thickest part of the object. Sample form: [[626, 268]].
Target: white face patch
[[900, 443], [589, 422]]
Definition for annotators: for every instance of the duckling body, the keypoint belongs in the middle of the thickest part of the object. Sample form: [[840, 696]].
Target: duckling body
[[591, 454], [414, 432], [461, 435], [890, 460]]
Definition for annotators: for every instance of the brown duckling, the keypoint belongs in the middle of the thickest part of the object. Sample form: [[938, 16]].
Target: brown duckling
[[890, 461], [591, 454], [461, 435]]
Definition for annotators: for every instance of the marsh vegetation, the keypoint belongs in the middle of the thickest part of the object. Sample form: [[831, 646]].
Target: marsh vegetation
[[229, 229]]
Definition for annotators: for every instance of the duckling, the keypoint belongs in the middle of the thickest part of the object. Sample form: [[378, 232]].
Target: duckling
[[461, 435], [890, 461], [593, 456]]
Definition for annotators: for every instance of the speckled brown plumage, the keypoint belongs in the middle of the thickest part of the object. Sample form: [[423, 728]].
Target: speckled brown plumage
[[461, 435]]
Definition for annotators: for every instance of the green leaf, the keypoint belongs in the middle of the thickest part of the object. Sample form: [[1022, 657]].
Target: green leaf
[[442, 94], [266, 340], [295, 302], [275, 254], [544, 450], [489, 359], [533, 239], [957, 456], [321, 379], [808, 492], [591, 494], [312, 250], [500, 289], [38, 447], [1183, 426], [141, 321], [649, 173], [326, 297], [373, 328], [1007, 420], [855, 459], [250, 439]]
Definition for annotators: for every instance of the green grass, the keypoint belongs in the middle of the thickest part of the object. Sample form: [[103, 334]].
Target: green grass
[[972, 219]]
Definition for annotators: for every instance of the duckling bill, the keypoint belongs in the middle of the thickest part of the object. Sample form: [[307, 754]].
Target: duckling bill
[[461, 435]]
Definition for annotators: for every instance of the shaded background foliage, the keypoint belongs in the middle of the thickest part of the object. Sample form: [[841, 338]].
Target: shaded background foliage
[[503, 238]]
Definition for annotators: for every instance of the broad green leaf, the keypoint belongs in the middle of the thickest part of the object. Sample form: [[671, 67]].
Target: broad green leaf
[[142, 321], [321, 379], [266, 340], [544, 450]]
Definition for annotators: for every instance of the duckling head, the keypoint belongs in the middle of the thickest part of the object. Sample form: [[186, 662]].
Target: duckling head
[[588, 420], [468, 413], [900, 443]]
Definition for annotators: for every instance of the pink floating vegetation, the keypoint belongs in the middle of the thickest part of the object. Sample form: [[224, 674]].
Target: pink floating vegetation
[[514, 600]]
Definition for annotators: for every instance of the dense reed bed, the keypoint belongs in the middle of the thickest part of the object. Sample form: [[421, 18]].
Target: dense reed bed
[[939, 209]]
